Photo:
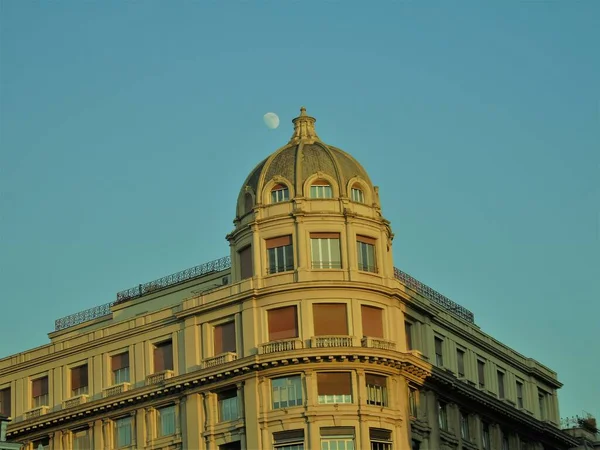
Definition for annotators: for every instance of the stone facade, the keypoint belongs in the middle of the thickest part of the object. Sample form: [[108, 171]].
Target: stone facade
[[309, 338]]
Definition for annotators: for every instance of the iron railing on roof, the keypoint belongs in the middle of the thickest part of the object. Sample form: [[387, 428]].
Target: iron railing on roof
[[178, 277], [82, 316], [224, 263], [435, 296]]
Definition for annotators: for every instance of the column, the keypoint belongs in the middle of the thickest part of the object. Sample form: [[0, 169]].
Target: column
[[363, 432], [178, 404], [138, 428], [150, 414], [107, 433], [314, 435], [193, 421], [98, 435]]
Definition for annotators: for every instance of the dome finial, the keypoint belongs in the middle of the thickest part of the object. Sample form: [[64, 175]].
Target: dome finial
[[304, 127]]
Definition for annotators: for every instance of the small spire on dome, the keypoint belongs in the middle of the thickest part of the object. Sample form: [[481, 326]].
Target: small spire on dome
[[304, 127]]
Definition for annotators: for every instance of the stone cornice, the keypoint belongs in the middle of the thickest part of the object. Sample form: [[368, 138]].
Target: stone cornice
[[392, 362]]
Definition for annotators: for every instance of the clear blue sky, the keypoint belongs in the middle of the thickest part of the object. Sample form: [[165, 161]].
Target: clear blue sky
[[127, 129]]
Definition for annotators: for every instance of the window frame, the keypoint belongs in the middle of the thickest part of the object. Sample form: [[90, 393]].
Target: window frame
[[439, 350], [230, 401], [408, 332], [442, 413], [230, 322], [276, 252], [44, 399], [83, 389], [86, 445], [6, 401], [413, 401], [325, 245], [520, 391], [323, 190], [460, 362], [357, 194], [481, 373], [334, 398], [128, 420], [298, 389], [160, 424], [366, 246], [296, 330], [279, 193], [377, 394], [501, 379], [465, 429], [159, 343], [117, 374]]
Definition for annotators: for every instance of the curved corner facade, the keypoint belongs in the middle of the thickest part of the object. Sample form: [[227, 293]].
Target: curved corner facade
[[308, 339]]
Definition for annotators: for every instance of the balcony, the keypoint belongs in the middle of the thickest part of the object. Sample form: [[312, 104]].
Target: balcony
[[36, 412], [116, 389], [280, 346], [159, 377], [75, 401], [382, 344], [219, 359], [332, 341]]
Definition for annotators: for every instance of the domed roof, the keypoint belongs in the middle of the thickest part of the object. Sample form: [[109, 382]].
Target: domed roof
[[302, 157]]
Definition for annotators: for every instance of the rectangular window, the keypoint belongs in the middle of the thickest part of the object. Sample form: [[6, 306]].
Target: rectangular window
[[119, 365], [228, 405], [330, 319], [224, 338], [465, 432], [39, 392], [81, 440], [286, 392], [163, 356], [246, 262], [519, 394], [442, 415], [79, 380], [500, 384], [357, 195], [281, 254], [166, 420], [408, 332], [289, 440], [485, 436], [279, 193], [413, 402], [460, 358], [380, 439], [123, 431], [439, 352], [321, 191], [334, 387], [5, 409], [44, 442], [283, 323], [481, 373], [337, 438], [325, 249], [372, 321], [376, 390], [366, 254]]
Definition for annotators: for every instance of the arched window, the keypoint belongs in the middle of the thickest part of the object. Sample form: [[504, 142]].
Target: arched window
[[321, 189], [280, 193], [356, 194]]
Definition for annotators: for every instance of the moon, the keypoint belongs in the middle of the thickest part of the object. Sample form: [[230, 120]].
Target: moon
[[271, 120]]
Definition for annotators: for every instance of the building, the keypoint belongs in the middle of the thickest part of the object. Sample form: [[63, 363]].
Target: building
[[305, 337], [3, 427]]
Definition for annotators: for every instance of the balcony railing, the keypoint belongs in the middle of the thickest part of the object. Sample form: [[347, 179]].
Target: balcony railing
[[116, 389], [75, 401], [280, 346], [36, 412], [82, 316], [158, 377], [382, 344], [331, 341], [434, 296], [219, 359]]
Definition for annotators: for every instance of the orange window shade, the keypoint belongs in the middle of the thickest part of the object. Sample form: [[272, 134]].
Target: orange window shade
[[372, 321], [79, 377], [119, 361], [279, 187], [225, 338], [283, 323], [246, 262], [321, 183], [366, 240], [5, 409], [39, 387], [334, 383], [376, 380], [281, 241], [330, 319], [163, 356], [324, 235]]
